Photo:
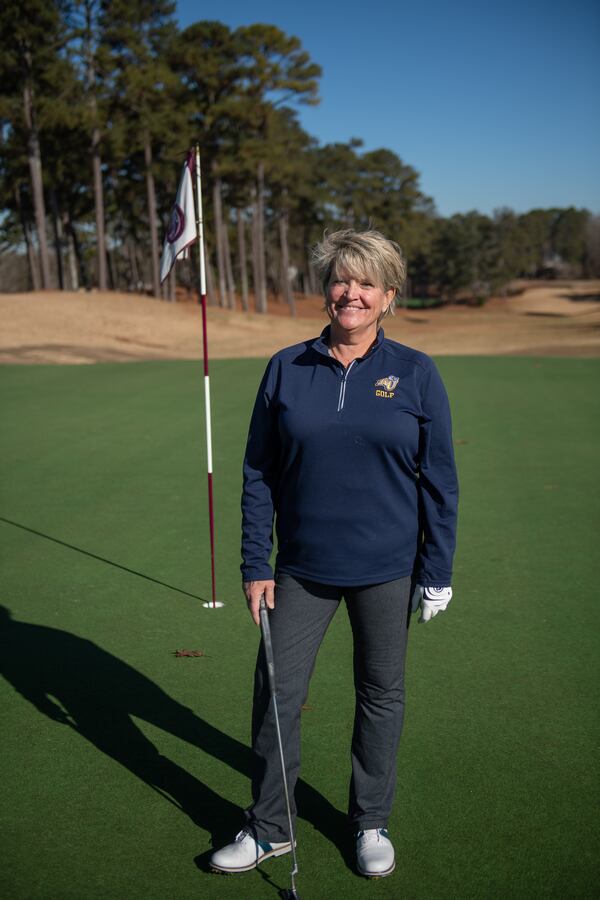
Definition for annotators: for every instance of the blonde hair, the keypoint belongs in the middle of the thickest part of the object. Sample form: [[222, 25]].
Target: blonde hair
[[361, 254]]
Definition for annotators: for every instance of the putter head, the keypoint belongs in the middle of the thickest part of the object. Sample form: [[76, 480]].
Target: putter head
[[289, 894]]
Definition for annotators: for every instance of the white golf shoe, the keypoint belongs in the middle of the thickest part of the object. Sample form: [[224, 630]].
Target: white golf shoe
[[374, 853], [245, 853]]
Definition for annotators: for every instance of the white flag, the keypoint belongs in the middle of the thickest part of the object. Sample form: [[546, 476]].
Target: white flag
[[182, 224]]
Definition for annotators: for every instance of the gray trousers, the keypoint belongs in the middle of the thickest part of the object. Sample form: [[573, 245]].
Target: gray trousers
[[379, 615]]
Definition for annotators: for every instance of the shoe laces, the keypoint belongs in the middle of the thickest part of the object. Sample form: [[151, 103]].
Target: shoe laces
[[370, 835], [242, 835]]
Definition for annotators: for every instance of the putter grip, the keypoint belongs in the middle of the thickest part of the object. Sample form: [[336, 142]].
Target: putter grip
[[266, 633]]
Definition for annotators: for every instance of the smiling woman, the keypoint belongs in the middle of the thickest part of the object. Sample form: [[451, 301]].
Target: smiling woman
[[355, 307], [350, 453], [361, 274]]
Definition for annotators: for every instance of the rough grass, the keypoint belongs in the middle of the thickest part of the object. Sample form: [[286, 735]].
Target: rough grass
[[121, 763]]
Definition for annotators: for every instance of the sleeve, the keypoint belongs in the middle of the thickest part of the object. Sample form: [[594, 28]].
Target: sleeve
[[259, 483], [438, 486]]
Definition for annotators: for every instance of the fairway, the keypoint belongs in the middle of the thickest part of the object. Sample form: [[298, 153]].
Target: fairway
[[122, 763]]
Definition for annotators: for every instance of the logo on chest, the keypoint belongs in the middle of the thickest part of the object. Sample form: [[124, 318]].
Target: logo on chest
[[384, 387]]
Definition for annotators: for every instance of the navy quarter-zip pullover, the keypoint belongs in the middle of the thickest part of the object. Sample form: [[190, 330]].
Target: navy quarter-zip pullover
[[356, 466]]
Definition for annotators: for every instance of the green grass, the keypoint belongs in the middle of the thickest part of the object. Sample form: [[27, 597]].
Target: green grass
[[120, 763]]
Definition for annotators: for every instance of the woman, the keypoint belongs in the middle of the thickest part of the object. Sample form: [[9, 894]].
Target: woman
[[350, 450]]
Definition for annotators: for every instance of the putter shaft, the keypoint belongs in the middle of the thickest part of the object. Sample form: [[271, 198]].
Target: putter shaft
[[266, 633]]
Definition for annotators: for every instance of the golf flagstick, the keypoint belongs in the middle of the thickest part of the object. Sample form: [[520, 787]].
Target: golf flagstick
[[186, 225], [214, 604], [266, 633]]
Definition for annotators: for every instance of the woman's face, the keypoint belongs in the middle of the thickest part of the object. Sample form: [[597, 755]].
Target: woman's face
[[354, 304]]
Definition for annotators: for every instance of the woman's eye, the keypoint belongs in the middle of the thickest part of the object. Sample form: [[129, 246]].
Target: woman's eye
[[366, 284]]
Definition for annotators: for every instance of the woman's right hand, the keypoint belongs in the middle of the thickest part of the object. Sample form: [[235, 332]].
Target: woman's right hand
[[253, 591]]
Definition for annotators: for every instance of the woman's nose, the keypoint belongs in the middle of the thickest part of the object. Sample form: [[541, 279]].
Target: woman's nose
[[353, 289]]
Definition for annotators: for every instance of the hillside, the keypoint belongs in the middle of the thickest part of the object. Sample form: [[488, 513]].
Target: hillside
[[61, 327]]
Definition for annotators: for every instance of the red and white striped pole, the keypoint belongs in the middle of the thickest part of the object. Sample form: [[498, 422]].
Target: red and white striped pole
[[214, 604]]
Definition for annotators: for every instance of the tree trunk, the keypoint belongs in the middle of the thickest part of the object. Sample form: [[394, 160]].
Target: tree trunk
[[228, 268], [172, 285], [99, 208], [71, 258], [210, 280], [288, 294], [253, 232], [218, 213], [57, 240], [241, 231], [34, 274], [133, 266], [90, 60], [261, 288], [110, 265], [190, 276], [151, 196], [83, 275], [141, 267], [37, 188], [313, 287]]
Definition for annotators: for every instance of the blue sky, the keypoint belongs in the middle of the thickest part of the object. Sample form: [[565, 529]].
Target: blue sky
[[495, 104]]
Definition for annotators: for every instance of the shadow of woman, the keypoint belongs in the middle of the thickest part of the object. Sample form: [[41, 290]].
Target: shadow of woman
[[75, 682]]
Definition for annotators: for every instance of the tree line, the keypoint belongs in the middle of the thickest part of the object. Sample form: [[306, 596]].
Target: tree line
[[99, 102]]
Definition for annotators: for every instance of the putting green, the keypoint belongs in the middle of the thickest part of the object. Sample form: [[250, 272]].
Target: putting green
[[121, 762]]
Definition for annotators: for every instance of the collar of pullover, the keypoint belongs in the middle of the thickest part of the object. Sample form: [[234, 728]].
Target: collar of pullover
[[322, 345]]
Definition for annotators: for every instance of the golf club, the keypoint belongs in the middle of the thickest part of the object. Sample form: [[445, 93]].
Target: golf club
[[285, 894]]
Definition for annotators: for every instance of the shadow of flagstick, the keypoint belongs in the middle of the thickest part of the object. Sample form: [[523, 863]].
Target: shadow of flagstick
[[103, 559]]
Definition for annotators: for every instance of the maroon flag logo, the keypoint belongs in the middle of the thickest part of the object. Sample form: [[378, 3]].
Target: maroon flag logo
[[181, 230], [176, 224]]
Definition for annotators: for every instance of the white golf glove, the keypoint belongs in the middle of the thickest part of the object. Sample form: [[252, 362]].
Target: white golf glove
[[431, 600]]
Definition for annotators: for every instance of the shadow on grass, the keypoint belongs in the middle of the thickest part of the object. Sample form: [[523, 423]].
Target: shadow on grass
[[75, 682], [109, 562]]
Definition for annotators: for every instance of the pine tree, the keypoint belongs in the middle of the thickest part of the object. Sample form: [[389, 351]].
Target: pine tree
[[29, 70], [88, 53], [138, 34], [276, 71]]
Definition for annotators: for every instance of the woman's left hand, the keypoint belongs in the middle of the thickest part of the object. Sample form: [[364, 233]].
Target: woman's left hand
[[431, 600]]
